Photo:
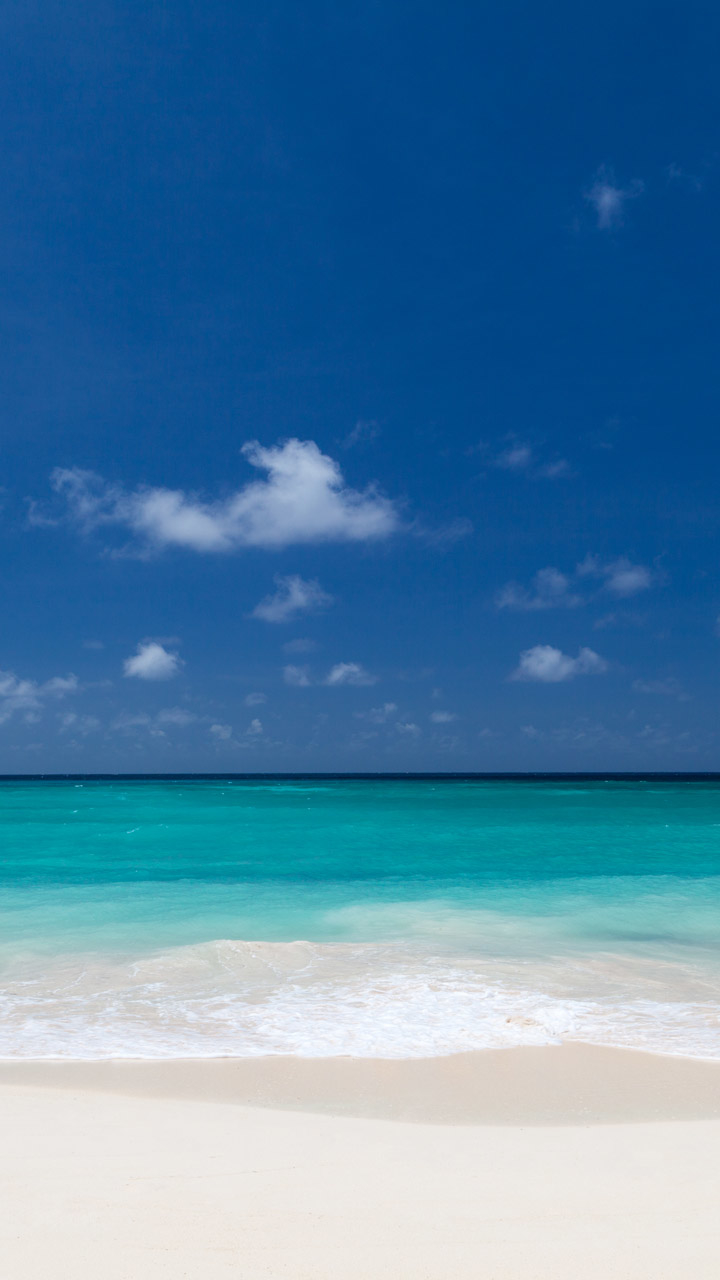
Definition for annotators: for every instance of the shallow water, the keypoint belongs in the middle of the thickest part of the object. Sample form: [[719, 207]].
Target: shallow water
[[375, 917]]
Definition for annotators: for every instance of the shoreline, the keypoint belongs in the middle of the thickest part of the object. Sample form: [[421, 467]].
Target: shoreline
[[558, 1085]]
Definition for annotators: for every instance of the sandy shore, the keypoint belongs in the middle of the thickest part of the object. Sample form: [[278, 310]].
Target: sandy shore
[[543, 1164]]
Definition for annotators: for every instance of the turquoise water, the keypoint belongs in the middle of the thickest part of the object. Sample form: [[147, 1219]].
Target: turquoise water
[[375, 917]]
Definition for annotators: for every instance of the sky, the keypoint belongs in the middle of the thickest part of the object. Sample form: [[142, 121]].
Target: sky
[[359, 386]]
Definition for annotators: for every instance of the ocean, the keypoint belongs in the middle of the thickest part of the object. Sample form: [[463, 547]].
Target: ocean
[[378, 917]]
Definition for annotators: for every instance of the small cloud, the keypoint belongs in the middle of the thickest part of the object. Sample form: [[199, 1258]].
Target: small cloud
[[609, 200], [301, 645], [378, 715], [297, 676], [294, 595], [71, 722], [168, 717], [221, 732], [548, 665], [23, 697], [520, 457], [255, 699], [622, 578], [349, 673], [409, 729], [517, 457], [551, 590], [625, 579], [365, 430], [691, 181], [59, 686], [175, 715], [93, 644], [442, 717], [669, 688], [254, 728], [152, 662]]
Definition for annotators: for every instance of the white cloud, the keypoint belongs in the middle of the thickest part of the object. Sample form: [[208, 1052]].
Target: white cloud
[[254, 728], [622, 578], [26, 697], [551, 589], [303, 499], [625, 579], [221, 732], [152, 662], [175, 715], [255, 699], [442, 717], [71, 722], [521, 458], [294, 595], [349, 673], [378, 715], [608, 199], [297, 676], [551, 666], [60, 685], [409, 729], [167, 718]]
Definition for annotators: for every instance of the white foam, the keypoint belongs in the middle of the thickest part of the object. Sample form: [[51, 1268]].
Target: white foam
[[245, 999]]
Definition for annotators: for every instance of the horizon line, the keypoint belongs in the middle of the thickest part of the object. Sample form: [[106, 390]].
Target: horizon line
[[609, 775]]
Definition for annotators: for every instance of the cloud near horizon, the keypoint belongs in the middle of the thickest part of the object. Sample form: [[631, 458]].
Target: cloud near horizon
[[303, 499], [18, 696], [547, 665]]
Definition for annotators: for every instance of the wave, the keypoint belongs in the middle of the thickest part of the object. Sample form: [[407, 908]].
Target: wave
[[245, 999]]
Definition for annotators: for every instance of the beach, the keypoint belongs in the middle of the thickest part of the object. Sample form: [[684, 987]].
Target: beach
[[543, 1164], [334, 1029]]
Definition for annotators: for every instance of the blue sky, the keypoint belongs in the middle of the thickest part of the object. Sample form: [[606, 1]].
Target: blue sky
[[359, 387]]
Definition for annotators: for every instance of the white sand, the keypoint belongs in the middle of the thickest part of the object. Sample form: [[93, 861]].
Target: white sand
[[100, 1181]]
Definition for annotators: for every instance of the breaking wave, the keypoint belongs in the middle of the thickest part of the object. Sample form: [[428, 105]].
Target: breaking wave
[[245, 999]]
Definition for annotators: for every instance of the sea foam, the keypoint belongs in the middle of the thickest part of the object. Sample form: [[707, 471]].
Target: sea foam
[[244, 999]]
